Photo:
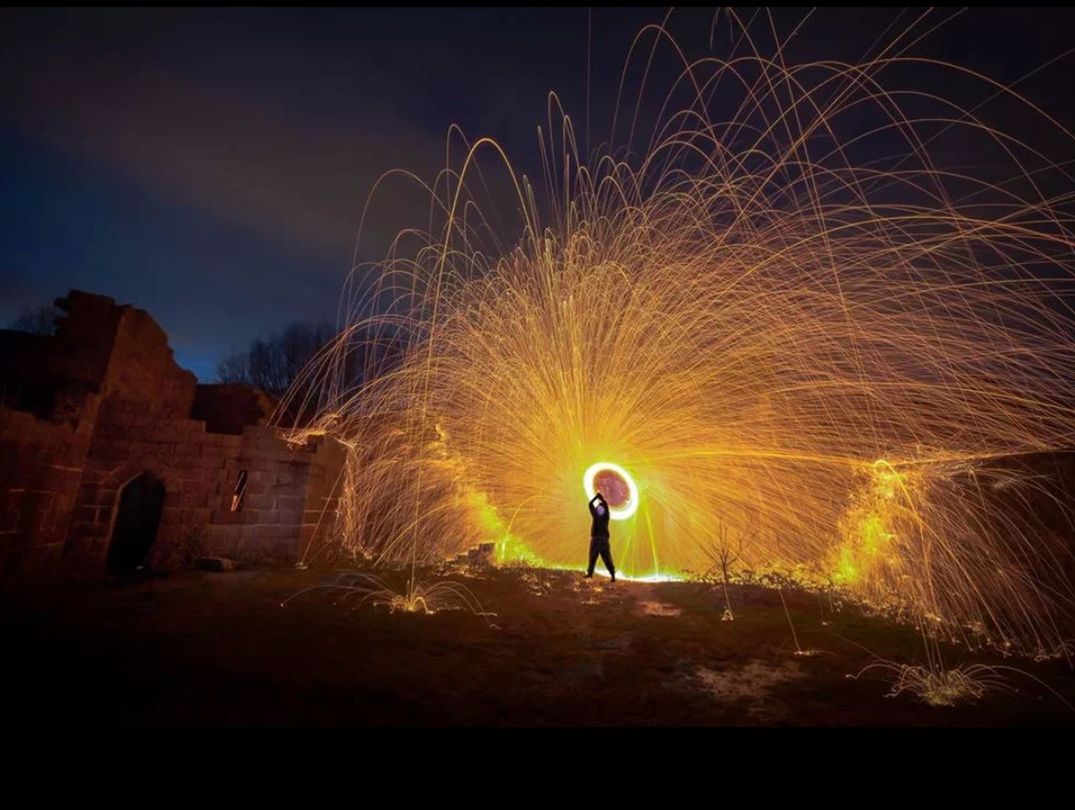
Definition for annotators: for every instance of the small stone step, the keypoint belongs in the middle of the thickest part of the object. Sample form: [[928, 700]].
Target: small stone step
[[480, 555]]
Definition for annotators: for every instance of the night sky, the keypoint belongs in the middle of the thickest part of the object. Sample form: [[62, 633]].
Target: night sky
[[210, 166]]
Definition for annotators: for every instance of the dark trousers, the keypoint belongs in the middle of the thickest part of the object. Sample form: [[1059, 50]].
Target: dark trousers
[[599, 546]]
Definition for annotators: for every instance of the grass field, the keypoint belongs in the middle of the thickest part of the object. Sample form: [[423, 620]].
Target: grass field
[[553, 649]]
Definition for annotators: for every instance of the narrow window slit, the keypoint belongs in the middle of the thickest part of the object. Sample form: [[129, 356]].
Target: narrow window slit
[[240, 491]]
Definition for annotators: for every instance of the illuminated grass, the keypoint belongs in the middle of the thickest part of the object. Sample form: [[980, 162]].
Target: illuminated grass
[[356, 588], [944, 687]]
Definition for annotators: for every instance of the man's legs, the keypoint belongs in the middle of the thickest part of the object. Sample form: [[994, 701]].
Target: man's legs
[[594, 549], [606, 557]]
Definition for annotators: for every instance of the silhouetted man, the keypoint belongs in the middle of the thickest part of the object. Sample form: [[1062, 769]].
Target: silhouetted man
[[599, 535]]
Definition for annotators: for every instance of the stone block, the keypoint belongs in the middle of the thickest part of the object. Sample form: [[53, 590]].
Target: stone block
[[215, 564]]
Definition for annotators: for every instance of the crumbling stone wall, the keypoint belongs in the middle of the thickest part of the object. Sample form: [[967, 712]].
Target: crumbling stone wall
[[141, 367], [111, 403], [1039, 499], [40, 470], [200, 471], [289, 502]]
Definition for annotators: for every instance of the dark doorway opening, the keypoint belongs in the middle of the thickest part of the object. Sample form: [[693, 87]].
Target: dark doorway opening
[[137, 519]]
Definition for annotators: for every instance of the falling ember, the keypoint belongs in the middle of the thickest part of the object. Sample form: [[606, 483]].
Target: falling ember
[[775, 304]]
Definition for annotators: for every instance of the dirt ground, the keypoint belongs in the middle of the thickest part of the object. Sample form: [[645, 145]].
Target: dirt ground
[[552, 649]]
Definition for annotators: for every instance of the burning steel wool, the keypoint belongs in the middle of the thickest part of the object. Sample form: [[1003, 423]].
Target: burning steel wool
[[732, 319]]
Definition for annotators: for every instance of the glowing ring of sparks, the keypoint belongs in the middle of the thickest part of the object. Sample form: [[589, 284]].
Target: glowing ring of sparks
[[616, 513]]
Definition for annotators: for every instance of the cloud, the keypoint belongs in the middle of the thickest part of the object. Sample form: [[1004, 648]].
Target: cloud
[[291, 159]]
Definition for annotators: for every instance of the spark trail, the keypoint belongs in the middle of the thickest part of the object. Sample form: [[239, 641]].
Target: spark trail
[[764, 329]]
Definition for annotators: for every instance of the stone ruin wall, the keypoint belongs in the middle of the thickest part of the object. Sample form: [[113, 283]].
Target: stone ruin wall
[[115, 405]]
